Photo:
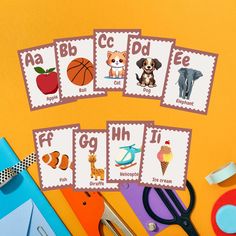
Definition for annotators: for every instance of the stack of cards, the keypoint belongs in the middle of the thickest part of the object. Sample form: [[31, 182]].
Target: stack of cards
[[98, 160], [121, 60]]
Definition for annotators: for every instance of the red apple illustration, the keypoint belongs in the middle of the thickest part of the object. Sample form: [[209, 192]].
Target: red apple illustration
[[47, 81]]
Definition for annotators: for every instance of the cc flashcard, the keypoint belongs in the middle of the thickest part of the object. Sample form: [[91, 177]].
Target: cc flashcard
[[54, 149], [74, 60], [189, 80], [165, 157], [40, 76], [110, 57], [90, 161], [147, 63], [125, 144]]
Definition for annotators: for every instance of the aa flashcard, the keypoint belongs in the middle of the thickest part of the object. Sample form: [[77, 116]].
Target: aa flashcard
[[165, 157], [90, 152], [54, 149], [40, 76], [74, 59], [189, 80], [147, 63], [125, 144], [110, 57]]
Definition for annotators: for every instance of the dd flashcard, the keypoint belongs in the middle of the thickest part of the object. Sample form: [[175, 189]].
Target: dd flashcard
[[90, 151], [74, 59], [165, 157], [189, 80], [147, 63], [40, 76], [125, 144], [54, 149], [110, 58]]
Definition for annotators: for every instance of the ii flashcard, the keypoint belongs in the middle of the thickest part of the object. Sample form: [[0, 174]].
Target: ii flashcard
[[125, 144], [147, 64], [54, 149], [189, 80], [110, 58], [165, 157], [40, 76], [74, 59], [90, 151]]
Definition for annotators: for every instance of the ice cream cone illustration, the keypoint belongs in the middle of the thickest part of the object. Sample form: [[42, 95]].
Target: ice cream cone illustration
[[165, 156]]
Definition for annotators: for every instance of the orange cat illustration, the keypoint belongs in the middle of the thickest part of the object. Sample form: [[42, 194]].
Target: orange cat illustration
[[116, 60]]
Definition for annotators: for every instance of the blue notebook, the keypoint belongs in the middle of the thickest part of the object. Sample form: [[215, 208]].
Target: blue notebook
[[22, 188]]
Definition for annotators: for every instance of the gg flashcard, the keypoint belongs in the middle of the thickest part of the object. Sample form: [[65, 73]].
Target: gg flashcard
[[54, 149], [110, 57], [90, 151], [125, 145], [189, 80], [165, 157], [147, 63], [74, 59], [38, 67]]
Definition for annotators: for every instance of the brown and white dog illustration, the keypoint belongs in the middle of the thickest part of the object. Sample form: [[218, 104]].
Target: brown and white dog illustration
[[148, 65]]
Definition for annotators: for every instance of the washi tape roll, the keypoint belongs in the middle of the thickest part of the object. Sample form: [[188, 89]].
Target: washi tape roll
[[222, 174]]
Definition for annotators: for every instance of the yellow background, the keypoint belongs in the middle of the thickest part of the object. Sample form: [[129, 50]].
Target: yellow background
[[204, 25]]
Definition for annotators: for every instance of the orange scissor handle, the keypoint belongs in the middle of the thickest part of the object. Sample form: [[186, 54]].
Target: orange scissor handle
[[88, 207]]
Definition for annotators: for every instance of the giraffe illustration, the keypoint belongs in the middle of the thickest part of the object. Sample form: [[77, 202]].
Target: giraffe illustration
[[94, 171]]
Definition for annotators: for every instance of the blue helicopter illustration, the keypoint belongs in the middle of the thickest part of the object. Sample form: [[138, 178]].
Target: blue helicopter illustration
[[128, 158]]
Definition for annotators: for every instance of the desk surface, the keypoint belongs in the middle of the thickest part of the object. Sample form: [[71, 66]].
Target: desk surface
[[205, 25]]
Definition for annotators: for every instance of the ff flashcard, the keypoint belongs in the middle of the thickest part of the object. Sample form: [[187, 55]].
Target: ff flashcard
[[54, 149], [165, 157], [189, 80], [110, 58], [90, 161]]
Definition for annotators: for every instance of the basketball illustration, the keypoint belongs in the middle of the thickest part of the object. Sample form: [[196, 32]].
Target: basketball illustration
[[80, 71]]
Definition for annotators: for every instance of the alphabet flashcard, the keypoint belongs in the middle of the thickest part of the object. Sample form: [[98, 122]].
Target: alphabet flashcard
[[110, 58], [38, 67], [54, 149], [74, 59], [90, 152], [165, 157], [125, 145], [189, 80], [147, 63]]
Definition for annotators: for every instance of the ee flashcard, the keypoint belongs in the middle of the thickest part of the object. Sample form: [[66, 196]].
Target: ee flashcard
[[147, 63], [165, 157], [38, 67], [189, 80], [90, 161], [54, 149], [110, 58]]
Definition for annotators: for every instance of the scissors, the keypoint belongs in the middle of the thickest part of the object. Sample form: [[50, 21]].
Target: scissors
[[181, 215]]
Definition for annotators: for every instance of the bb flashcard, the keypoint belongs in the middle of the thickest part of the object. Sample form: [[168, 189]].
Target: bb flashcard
[[125, 145], [165, 157], [110, 58], [147, 63], [90, 151], [189, 80], [38, 67], [74, 60], [54, 149]]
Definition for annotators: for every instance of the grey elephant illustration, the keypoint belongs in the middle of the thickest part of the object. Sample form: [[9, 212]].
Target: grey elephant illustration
[[186, 80]]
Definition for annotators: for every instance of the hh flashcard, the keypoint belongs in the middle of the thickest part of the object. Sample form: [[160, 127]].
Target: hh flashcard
[[165, 157], [125, 144], [90, 152], [74, 59], [40, 76], [54, 149], [189, 80], [110, 57], [147, 63]]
